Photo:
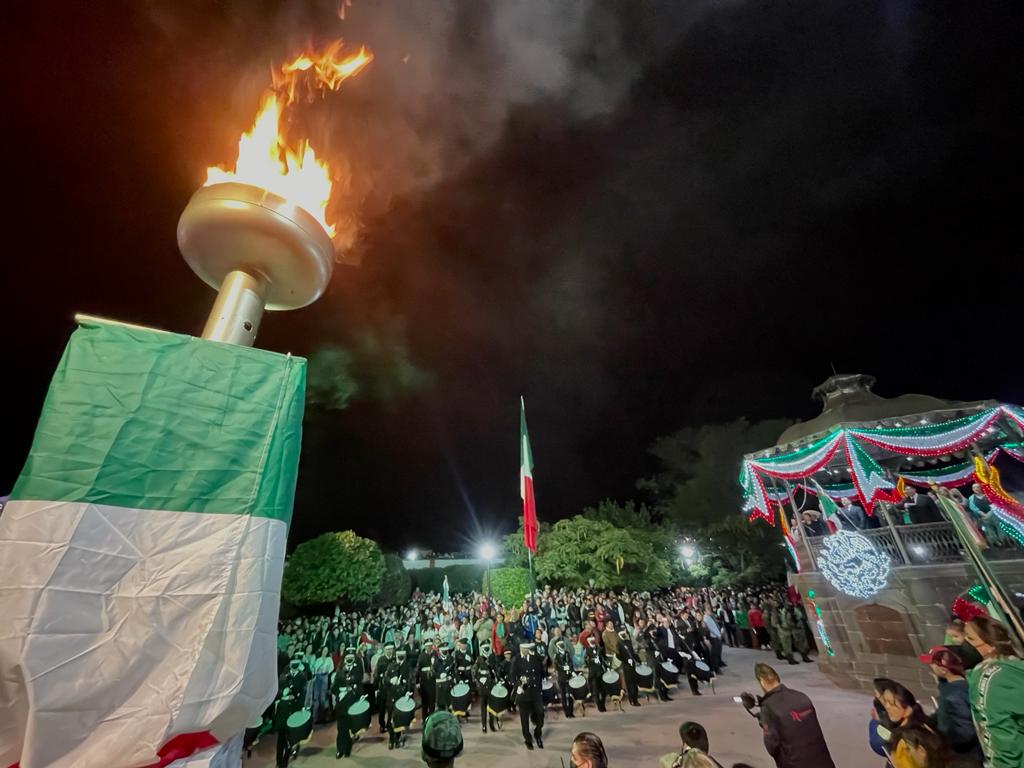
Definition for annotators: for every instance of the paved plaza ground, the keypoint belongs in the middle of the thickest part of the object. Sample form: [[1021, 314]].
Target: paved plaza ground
[[634, 738]]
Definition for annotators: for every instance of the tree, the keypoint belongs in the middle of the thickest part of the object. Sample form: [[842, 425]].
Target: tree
[[697, 484], [582, 551], [334, 566], [395, 585], [509, 585]]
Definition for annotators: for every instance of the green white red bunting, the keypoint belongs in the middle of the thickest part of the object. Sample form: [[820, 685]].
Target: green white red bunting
[[871, 483]]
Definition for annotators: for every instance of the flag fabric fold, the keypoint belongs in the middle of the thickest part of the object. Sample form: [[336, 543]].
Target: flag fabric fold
[[142, 548], [530, 525]]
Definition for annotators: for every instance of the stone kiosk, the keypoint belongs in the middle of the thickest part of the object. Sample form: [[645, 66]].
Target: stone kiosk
[[868, 449]]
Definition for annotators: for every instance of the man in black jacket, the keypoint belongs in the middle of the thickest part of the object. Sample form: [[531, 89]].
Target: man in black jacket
[[627, 655], [919, 507], [792, 734], [596, 666], [527, 675]]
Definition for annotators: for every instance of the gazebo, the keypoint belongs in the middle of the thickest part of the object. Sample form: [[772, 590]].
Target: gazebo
[[866, 448], [880, 595]]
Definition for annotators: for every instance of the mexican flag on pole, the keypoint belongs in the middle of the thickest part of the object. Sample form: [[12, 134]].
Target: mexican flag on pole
[[526, 483], [142, 548]]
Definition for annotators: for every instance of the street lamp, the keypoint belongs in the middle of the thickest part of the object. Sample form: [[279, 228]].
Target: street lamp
[[688, 551], [486, 553], [412, 554]]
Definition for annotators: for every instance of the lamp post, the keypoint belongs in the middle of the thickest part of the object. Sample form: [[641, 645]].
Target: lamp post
[[411, 555], [486, 554]]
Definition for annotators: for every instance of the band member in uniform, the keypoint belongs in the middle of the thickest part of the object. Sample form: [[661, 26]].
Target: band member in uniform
[[444, 671], [528, 676], [596, 666], [675, 649], [484, 678], [381, 675], [398, 685], [463, 662], [425, 674], [347, 682], [286, 706], [654, 654], [506, 667], [627, 655], [564, 670]]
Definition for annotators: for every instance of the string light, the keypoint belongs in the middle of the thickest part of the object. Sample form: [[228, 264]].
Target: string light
[[853, 565], [820, 624]]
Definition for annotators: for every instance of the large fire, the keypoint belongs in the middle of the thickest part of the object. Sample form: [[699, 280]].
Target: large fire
[[264, 158]]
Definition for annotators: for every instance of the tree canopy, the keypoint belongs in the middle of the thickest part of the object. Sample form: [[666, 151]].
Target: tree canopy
[[697, 481], [335, 566]]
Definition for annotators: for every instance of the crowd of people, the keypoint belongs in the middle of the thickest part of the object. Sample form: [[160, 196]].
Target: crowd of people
[[474, 657], [469, 657], [914, 508], [978, 717]]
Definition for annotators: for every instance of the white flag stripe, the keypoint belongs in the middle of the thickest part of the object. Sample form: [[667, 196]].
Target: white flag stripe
[[125, 620]]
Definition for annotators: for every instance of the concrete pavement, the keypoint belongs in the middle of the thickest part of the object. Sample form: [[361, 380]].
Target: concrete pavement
[[634, 738]]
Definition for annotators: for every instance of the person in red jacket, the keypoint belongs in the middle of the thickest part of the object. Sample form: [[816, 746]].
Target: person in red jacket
[[756, 620]]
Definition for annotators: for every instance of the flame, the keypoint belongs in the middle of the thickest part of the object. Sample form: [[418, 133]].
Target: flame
[[329, 70], [264, 158]]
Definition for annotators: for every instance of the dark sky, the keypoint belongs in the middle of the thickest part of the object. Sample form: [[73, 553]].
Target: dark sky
[[639, 216]]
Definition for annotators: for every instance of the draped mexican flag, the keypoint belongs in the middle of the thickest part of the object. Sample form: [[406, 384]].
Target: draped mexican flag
[[142, 548], [526, 483]]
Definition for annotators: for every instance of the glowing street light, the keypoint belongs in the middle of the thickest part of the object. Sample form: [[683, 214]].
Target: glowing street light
[[412, 554], [486, 553], [688, 551]]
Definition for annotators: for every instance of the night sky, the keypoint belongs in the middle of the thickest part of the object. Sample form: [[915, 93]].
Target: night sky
[[638, 216]]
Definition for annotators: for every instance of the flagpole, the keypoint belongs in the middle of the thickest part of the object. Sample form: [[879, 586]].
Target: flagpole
[[533, 583]]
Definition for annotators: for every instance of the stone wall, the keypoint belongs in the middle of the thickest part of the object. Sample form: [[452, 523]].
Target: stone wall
[[882, 636]]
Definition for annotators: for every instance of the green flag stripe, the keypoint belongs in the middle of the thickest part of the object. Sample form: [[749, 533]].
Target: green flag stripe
[[150, 420]]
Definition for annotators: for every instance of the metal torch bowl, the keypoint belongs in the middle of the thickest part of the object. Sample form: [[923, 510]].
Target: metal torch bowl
[[233, 227]]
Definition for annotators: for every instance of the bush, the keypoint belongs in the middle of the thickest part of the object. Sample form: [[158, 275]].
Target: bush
[[335, 566], [427, 579], [396, 584], [464, 578], [510, 585]]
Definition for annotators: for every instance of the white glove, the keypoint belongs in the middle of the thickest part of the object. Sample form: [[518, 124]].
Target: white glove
[[519, 690], [632, 663]]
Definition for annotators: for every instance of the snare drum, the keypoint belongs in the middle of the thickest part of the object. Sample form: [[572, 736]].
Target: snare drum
[[669, 673], [403, 713], [359, 716], [610, 683], [644, 678], [701, 671], [578, 688], [460, 699], [548, 692], [497, 699], [300, 726]]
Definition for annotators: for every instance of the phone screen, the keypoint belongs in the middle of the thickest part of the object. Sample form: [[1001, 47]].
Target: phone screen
[[738, 699]]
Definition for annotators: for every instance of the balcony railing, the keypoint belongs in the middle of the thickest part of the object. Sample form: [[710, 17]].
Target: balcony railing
[[922, 544]]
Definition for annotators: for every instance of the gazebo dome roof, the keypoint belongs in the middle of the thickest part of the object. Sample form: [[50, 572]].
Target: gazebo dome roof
[[847, 399]]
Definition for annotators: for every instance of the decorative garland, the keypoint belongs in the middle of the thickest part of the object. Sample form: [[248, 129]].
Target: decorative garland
[[933, 440], [820, 624], [1007, 509], [801, 463], [871, 483]]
